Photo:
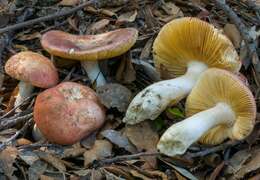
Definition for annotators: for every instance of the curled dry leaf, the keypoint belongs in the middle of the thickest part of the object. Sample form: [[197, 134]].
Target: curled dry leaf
[[125, 72], [52, 160], [233, 34], [69, 2], [114, 95], [100, 150], [127, 17], [98, 26], [118, 139], [73, 152], [7, 158], [250, 166]]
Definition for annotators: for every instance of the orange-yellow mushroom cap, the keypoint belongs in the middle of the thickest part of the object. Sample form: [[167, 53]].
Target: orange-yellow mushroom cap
[[189, 39]]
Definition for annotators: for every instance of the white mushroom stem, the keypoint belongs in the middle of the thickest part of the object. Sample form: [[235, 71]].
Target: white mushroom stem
[[153, 100], [25, 90], [37, 134], [94, 73], [180, 136]]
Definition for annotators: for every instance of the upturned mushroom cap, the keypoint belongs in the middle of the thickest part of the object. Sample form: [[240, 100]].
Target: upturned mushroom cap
[[215, 86], [68, 112], [89, 47], [33, 68], [189, 39]]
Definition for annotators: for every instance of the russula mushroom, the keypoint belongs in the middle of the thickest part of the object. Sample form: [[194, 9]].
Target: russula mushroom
[[183, 49], [32, 69], [90, 48], [219, 106], [68, 112]]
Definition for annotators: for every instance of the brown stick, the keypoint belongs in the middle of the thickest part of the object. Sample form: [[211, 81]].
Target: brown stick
[[103, 162], [46, 18]]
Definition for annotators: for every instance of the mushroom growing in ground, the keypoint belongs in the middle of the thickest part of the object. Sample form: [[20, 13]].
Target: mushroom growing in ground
[[219, 106], [68, 112], [32, 69], [90, 48], [183, 49]]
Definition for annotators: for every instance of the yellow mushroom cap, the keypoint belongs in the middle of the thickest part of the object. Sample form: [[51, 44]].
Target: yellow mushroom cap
[[89, 47], [189, 39], [216, 86]]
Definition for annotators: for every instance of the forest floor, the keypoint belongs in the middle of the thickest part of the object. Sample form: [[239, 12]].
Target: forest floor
[[118, 151]]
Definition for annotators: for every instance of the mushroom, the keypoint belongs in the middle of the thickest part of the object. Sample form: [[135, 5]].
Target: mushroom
[[32, 69], [68, 112], [183, 49], [219, 106], [90, 48]]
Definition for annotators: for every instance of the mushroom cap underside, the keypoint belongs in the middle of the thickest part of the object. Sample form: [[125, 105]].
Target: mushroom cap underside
[[189, 39], [221, 86]]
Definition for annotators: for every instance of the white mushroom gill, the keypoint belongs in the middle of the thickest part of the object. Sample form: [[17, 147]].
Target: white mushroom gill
[[153, 100]]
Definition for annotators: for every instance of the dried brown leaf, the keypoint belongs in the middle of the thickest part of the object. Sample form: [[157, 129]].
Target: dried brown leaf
[[100, 150], [28, 156], [73, 152], [142, 136], [146, 51], [98, 26], [118, 170], [126, 72], [250, 166], [114, 95], [36, 170], [52, 160], [173, 10], [7, 158], [127, 17], [69, 2], [118, 139], [233, 34]]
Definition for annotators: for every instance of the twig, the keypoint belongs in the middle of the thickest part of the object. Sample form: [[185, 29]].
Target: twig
[[103, 162], [12, 138], [250, 43], [213, 149], [46, 18], [9, 122]]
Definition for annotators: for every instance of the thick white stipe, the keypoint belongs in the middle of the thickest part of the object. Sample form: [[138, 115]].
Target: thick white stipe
[[153, 100], [94, 73], [177, 139]]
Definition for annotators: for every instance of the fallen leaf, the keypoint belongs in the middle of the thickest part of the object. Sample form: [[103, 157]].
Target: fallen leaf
[[181, 170], [146, 51], [7, 158], [233, 34], [217, 171], [52, 160], [114, 95], [236, 161], [250, 166], [26, 37], [125, 72], [173, 10], [73, 152], [29, 157], [89, 141], [142, 136], [69, 2], [36, 170], [22, 141], [120, 171], [127, 17], [118, 139], [44, 177], [100, 150], [97, 26]]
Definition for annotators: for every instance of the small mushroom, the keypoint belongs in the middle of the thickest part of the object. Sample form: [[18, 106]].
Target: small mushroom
[[220, 106], [183, 49], [90, 48], [32, 69], [68, 112]]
